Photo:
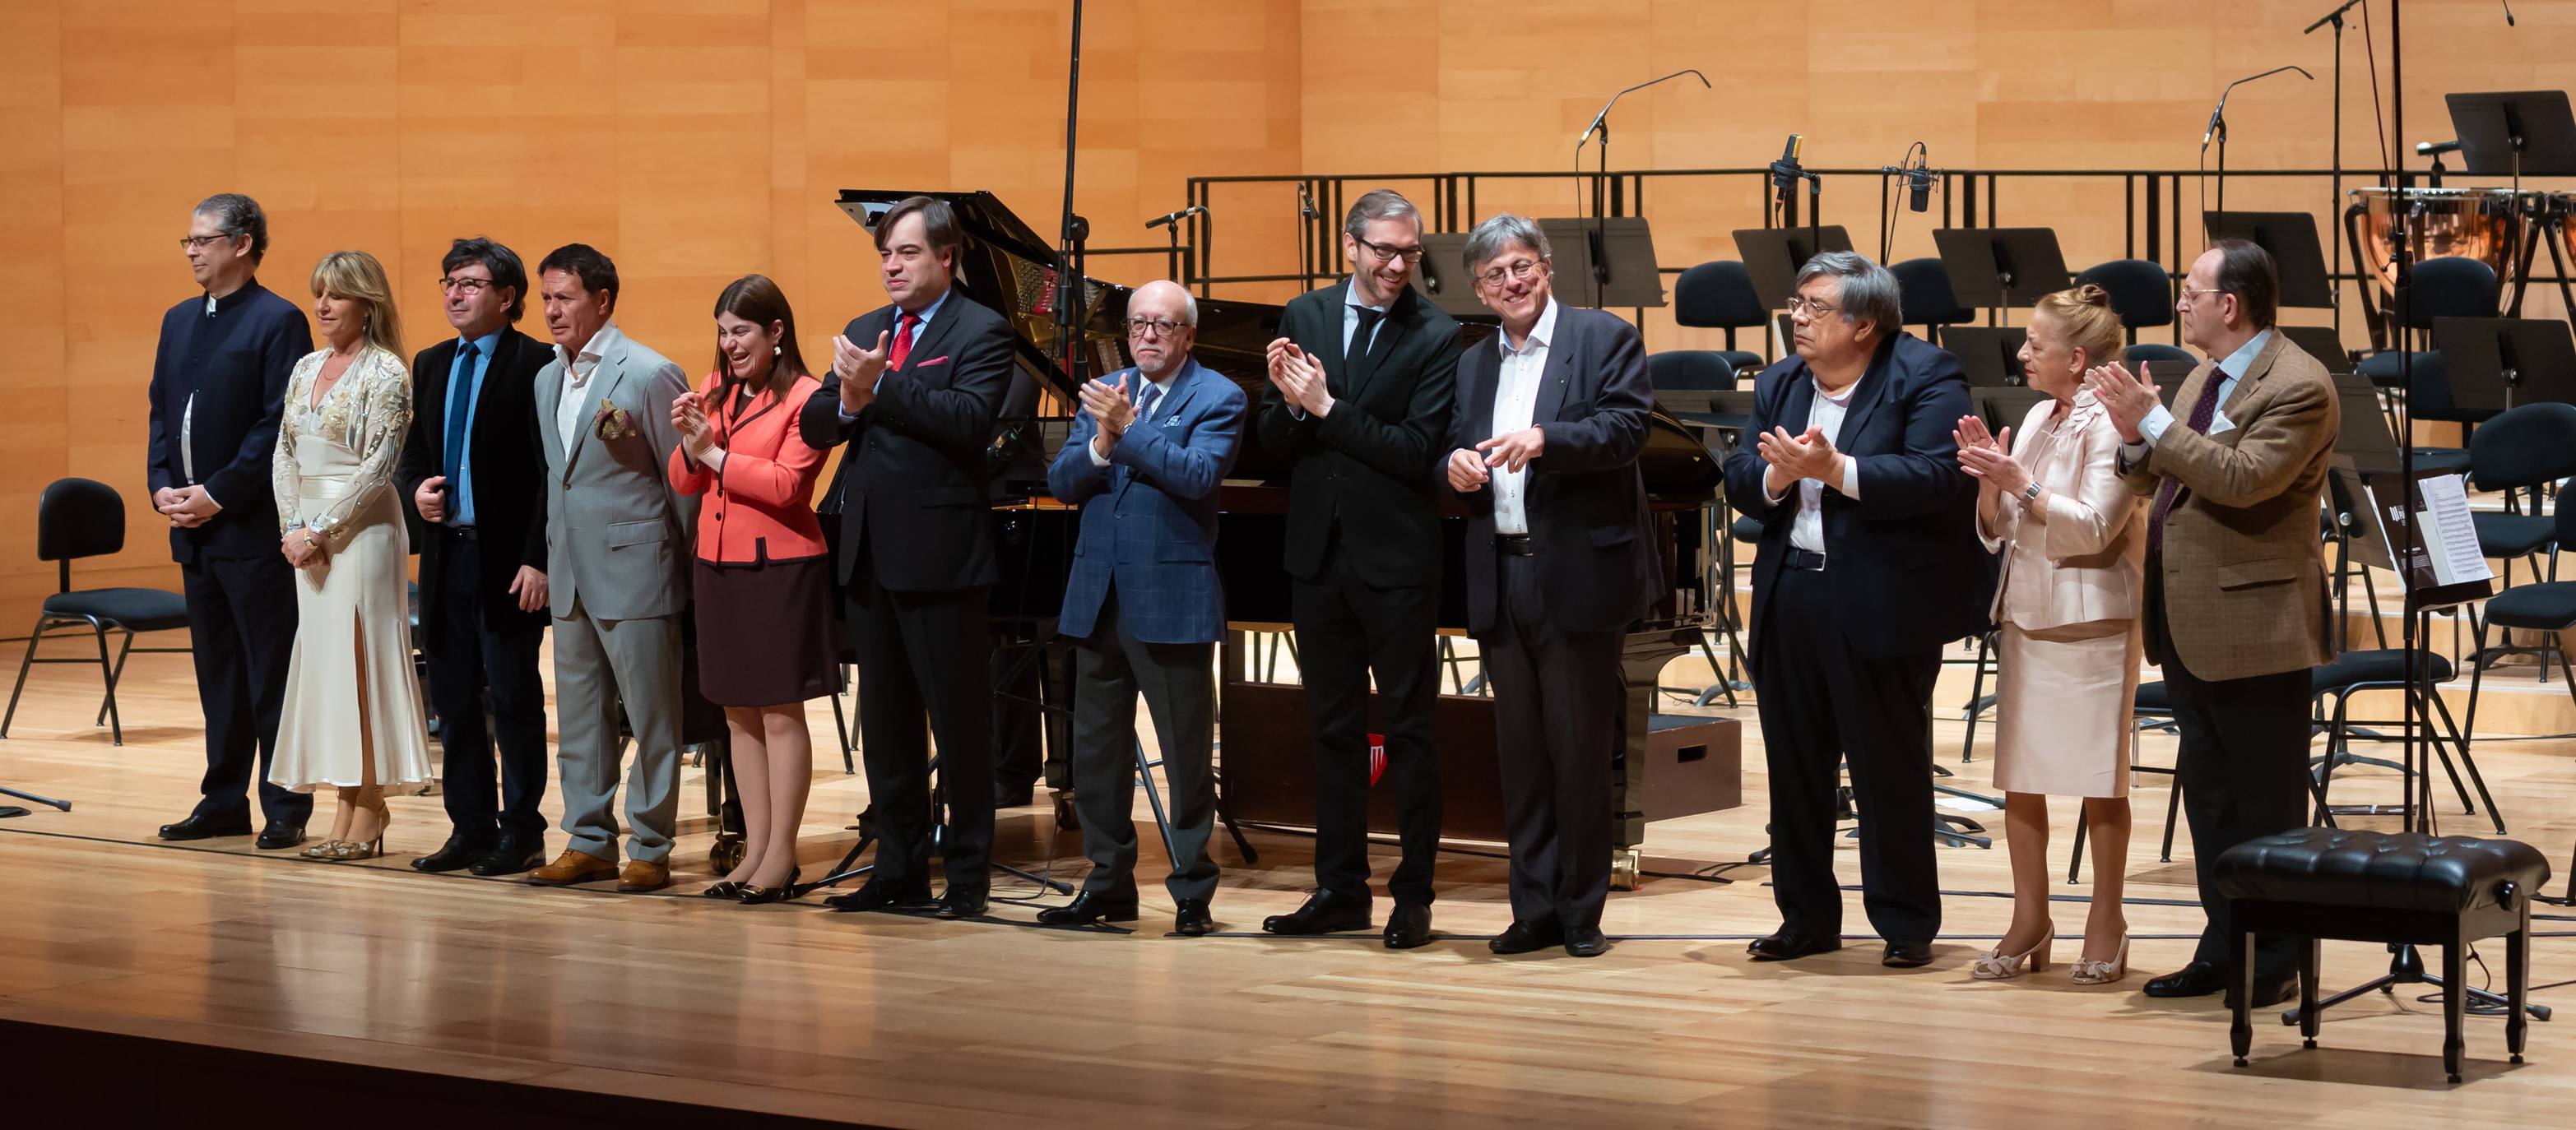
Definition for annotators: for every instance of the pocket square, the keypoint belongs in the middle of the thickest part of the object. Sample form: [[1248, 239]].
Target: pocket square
[[942, 359]]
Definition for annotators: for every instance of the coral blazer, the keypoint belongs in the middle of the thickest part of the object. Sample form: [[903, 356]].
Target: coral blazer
[[760, 506]]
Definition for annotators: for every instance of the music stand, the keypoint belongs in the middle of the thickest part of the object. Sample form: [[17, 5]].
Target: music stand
[[1990, 355], [1772, 257], [2320, 342], [2007, 407], [1444, 279], [2519, 133], [1993, 267], [2492, 363], [2169, 376], [1618, 263], [2291, 238], [2364, 438]]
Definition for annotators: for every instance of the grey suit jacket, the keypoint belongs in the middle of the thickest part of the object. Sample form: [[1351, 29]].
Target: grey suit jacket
[[616, 530]]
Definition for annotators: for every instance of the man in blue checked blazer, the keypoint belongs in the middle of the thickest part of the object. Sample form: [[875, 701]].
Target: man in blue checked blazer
[[1143, 606]]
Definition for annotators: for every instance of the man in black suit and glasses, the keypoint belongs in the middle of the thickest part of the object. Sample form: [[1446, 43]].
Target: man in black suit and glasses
[[1868, 564], [1362, 379], [913, 390], [472, 466]]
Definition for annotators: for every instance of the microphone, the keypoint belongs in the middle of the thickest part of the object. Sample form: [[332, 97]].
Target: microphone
[[1305, 200], [1183, 214], [1785, 172], [1918, 183], [2508, 13], [2218, 115], [2436, 148], [1604, 115]]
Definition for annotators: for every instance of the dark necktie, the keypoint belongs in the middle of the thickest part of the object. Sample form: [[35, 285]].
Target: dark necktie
[[2203, 413], [902, 350], [1356, 364], [1145, 402], [460, 405]]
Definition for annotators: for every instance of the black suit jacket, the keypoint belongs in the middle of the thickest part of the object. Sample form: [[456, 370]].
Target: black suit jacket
[[1357, 475], [1903, 557], [509, 472], [236, 364], [1583, 496], [912, 488]]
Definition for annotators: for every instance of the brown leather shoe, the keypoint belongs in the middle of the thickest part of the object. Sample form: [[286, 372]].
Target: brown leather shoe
[[640, 877], [571, 867]]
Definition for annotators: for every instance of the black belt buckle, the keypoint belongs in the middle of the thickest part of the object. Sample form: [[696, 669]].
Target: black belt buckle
[[1807, 560], [1518, 545]]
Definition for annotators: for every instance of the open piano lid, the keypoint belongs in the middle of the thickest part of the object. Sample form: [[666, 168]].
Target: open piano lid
[[1007, 266]]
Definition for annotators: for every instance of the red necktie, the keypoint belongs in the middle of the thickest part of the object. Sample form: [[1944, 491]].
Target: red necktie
[[2204, 412], [902, 343]]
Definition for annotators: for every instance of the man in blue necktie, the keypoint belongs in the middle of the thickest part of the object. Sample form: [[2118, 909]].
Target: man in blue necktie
[[472, 467]]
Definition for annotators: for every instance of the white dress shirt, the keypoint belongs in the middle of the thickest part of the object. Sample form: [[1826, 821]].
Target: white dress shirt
[[1162, 391], [1824, 414], [578, 369], [1515, 400], [1351, 307]]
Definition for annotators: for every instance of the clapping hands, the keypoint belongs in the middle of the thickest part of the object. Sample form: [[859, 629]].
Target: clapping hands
[[1988, 458]]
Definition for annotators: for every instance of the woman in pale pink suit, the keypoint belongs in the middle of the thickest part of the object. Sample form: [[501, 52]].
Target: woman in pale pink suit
[[2074, 540]]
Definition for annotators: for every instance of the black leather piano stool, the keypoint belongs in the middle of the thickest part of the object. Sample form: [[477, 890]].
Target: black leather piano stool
[[2404, 888]]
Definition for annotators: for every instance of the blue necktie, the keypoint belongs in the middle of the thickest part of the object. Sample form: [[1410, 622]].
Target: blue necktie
[[1145, 402], [460, 404]]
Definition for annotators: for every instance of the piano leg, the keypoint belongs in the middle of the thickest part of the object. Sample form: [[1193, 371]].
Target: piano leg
[[1641, 671]]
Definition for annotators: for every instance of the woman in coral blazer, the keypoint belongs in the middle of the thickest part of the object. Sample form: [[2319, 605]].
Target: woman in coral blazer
[[764, 583]]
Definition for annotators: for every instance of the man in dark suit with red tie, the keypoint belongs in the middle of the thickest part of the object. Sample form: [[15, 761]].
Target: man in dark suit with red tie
[[913, 392], [472, 466], [1362, 378]]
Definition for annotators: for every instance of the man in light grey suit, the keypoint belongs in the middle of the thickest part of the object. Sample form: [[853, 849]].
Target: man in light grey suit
[[616, 544]]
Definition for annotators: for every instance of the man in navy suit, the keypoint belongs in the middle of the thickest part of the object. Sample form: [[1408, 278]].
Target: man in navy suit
[[1143, 604], [1543, 453], [218, 386], [1867, 566]]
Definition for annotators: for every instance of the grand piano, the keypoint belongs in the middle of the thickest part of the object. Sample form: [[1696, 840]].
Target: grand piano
[[1671, 765]]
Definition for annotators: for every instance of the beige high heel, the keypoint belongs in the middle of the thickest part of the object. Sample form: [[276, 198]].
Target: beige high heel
[[1998, 966], [2104, 972]]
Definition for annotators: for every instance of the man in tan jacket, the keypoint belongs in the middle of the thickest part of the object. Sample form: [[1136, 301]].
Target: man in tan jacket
[[2236, 602]]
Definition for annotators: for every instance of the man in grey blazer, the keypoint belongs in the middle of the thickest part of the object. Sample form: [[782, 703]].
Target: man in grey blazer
[[616, 532]]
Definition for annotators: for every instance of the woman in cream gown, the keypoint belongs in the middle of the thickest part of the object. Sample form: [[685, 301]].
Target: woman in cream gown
[[352, 718]]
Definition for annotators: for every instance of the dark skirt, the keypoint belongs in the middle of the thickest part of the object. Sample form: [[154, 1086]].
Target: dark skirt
[[765, 631]]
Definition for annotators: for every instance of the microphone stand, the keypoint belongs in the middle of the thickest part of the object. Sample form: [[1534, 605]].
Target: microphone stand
[[2334, 190], [2218, 129], [1601, 125]]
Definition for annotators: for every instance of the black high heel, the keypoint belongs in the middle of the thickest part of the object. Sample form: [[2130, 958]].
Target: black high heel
[[723, 889], [755, 896]]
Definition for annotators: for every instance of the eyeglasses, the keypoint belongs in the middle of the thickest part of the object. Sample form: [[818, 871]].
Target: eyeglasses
[[467, 287], [1519, 269], [1386, 254], [193, 242], [1813, 308], [2189, 292], [1161, 327]]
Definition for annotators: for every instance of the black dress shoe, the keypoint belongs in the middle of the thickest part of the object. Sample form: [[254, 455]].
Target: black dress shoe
[[1007, 795], [1322, 914], [278, 834], [1907, 955], [956, 904], [1408, 926], [200, 827], [1522, 937], [457, 854], [511, 856], [2198, 979], [1787, 946], [2268, 991], [1586, 941], [878, 895], [1190, 919], [1088, 907]]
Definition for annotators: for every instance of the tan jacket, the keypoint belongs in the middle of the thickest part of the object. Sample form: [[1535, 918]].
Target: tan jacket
[[2075, 557], [2243, 566]]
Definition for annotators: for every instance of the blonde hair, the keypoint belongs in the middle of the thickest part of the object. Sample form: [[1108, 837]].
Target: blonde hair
[[356, 274], [2085, 314]]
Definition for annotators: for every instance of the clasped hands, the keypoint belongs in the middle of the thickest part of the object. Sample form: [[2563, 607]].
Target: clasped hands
[[2128, 397], [1470, 470], [1111, 408], [859, 370], [187, 507], [1300, 378], [689, 417], [1792, 458], [303, 548], [1988, 458]]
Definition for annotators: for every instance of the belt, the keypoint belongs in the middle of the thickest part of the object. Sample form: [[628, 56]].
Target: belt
[[1518, 545], [467, 533], [1805, 559]]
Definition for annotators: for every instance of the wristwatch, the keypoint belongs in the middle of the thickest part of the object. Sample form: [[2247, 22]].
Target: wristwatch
[[2030, 494]]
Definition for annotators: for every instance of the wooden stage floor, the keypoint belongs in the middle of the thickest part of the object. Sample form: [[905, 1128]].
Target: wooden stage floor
[[589, 997]]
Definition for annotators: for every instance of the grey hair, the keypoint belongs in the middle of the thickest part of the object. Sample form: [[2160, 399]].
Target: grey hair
[[1380, 204], [1189, 302], [1498, 233], [238, 215], [1869, 291]]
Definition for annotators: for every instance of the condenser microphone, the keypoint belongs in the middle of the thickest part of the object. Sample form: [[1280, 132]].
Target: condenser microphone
[[1785, 172], [1918, 184]]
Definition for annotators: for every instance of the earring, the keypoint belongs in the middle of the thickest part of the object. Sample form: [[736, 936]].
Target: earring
[[773, 351]]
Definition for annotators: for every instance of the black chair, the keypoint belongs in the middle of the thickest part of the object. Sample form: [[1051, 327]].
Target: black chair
[[1719, 295], [2146, 351], [1926, 298], [2531, 446], [78, 518], [2546, 607], [2450, 286], [1692, 369], [2142, 293], [2355, 672]]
